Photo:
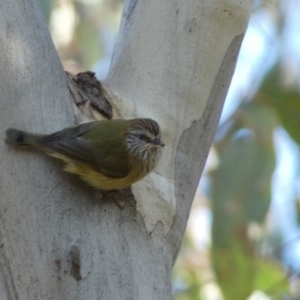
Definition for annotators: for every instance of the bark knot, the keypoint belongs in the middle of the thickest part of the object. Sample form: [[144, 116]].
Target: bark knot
[[86, 88]]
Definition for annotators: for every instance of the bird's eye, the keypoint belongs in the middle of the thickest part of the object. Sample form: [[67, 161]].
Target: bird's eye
[[142, 137]]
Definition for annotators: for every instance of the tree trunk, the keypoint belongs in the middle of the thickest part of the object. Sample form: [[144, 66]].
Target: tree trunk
[[173, 62]]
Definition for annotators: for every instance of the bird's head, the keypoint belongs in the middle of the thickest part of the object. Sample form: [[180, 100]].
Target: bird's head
[[143, 140]]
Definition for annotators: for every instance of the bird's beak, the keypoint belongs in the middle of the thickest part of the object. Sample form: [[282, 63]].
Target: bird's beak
[[158, 142]]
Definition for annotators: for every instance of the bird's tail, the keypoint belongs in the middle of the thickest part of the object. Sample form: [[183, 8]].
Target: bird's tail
[[15, 137]]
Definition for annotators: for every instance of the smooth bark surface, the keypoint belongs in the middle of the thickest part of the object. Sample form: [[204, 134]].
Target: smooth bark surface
[[58, 239]]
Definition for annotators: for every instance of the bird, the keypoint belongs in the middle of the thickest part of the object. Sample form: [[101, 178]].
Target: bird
[[106, 154]]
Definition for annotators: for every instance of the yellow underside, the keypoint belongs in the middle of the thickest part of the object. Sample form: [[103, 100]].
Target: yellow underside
[[96, 179]]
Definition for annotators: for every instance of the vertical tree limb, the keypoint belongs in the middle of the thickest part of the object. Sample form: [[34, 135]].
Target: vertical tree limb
[[173, 62]]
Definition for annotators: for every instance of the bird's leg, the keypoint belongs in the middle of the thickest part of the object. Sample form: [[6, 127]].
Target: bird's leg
[[118, 197]]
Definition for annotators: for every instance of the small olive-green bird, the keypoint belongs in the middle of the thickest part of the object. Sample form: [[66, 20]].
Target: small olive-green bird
[[108, 154]]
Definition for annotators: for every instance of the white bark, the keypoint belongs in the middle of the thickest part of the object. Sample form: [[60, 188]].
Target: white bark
[[173, 62]]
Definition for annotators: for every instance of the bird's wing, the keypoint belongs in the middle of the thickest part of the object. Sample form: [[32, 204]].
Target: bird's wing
[[108, 157]]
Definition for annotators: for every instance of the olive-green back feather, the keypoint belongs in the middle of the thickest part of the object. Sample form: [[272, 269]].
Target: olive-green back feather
[[100, 145]]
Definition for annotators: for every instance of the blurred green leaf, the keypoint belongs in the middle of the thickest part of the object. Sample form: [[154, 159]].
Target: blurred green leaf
[[285, 102], [271, 277], [241, 194], [47, 8], [92, 50]]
